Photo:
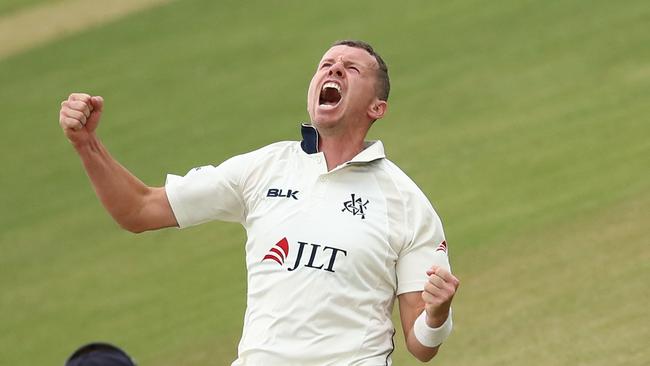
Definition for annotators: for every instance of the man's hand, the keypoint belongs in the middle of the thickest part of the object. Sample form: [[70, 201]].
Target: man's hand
[[79, 116], [437, 295]]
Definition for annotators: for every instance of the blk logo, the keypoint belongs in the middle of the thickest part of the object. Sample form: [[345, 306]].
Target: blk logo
[[356, 206], [316, 256], [274, 192]]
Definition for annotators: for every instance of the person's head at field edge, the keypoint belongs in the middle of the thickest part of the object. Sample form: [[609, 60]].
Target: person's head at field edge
[[350, 84], [99, 354]]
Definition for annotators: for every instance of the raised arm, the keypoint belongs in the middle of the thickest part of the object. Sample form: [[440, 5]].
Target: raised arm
[[134, 206], [433, 305]]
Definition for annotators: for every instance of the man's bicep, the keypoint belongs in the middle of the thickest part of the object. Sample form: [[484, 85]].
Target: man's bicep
[[157, 212]]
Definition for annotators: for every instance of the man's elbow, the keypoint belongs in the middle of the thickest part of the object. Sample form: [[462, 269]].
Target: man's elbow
[[424, 358], [139, 223], [134, 222], [152, 213], [133, 227], [424, 354]]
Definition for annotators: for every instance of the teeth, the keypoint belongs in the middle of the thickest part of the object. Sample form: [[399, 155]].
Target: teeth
[[332, 85]]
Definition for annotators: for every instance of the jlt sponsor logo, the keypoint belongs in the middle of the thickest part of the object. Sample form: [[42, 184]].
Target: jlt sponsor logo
[[320, 257]]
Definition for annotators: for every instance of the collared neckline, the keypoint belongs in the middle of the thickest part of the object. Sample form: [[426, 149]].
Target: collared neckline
[[372, 150], [309, 142]]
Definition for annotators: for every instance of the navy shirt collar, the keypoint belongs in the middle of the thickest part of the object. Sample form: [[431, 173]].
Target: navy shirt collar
[[309, 142]]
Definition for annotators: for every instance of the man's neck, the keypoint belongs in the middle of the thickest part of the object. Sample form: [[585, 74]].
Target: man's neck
[[340, 148]]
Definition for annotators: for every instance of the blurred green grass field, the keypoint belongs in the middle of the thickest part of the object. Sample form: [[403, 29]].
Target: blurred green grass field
[[526, 123]]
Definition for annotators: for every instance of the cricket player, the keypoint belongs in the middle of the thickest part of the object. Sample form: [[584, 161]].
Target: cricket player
[[336, 232]]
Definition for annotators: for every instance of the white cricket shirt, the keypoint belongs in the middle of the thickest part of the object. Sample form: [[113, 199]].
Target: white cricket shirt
[[327, 252]]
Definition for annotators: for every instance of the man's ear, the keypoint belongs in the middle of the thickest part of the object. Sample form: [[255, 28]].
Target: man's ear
[[377, 109]]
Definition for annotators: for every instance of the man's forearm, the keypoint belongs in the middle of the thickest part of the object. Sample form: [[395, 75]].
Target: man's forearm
[[422, 353], [121, 193]]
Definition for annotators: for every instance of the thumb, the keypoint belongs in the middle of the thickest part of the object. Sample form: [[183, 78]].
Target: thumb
[[98, 103], [97, 106]]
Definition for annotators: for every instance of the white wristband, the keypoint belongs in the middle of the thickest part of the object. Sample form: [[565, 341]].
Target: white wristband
[[431, 337]]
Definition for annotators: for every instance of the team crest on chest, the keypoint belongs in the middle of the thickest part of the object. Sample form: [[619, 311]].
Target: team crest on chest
[[357, 206]]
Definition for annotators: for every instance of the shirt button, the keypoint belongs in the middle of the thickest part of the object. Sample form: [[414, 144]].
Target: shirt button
[[322, 179]]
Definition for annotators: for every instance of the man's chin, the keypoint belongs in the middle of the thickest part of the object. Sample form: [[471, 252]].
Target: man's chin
[[325, 113], [325, 119]]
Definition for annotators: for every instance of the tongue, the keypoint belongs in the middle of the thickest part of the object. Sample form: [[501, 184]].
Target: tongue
[[330, 96]]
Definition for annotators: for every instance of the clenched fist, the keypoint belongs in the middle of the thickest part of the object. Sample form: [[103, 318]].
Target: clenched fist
[[79, 116], [437, 295]]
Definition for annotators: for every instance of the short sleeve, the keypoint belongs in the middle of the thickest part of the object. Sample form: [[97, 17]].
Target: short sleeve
[[208, 193], [427, 246]]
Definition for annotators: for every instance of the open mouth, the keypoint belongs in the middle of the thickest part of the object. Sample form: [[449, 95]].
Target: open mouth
[[330, 94]]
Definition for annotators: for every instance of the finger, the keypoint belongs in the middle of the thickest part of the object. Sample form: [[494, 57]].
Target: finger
[[448, 287], [433, 270], [79, 106], [79, 96], [74, 114], [433, 289], [431, 300], [445, 293], [436, 281], [437, 300], [445, 274], [70, 123], [448, 277]]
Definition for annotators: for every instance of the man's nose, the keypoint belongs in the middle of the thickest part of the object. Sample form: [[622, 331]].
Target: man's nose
[[337, 69]]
